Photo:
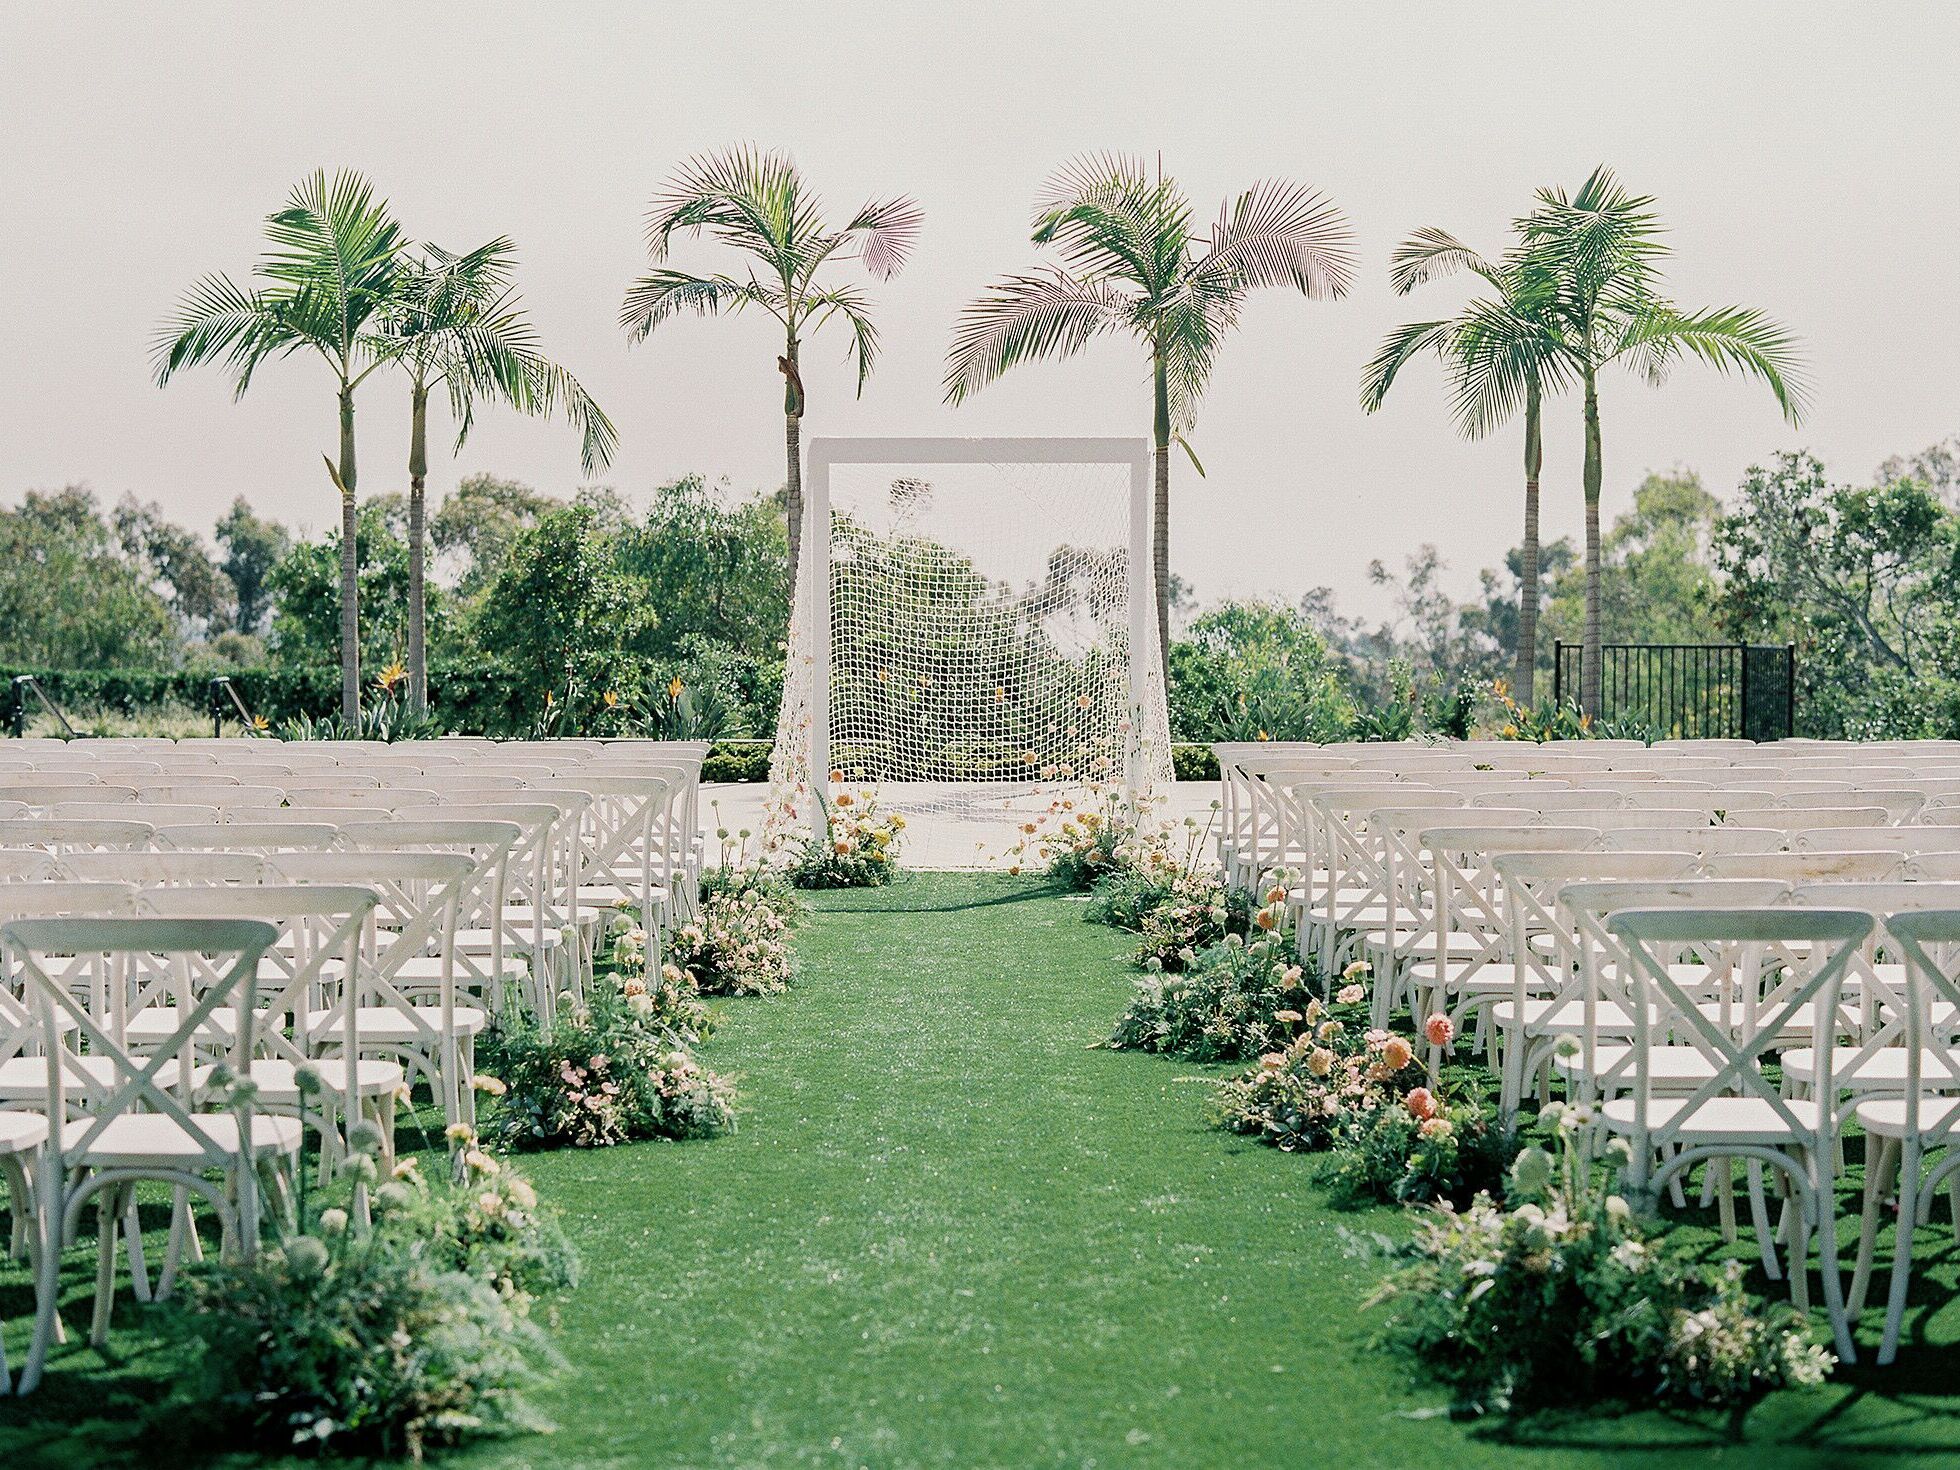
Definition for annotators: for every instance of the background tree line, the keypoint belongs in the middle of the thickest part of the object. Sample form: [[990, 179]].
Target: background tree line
[[541, 608]]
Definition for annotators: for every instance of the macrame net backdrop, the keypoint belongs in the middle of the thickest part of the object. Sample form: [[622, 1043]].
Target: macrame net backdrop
[[979, 625]]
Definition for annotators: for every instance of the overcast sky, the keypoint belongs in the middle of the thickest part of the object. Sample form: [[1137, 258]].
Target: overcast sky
[[1806, 157]]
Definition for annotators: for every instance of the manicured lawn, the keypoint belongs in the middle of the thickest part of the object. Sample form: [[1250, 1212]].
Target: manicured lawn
[[949, 1233]]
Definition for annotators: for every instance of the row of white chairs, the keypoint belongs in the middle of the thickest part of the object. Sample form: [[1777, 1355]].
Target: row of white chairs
[[381, 905], [1639, 928]]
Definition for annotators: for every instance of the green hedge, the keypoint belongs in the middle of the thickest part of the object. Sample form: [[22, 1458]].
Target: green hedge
[[1191, 762]]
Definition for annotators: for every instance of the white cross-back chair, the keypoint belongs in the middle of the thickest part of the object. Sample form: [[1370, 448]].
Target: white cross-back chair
[[1911, 1136], [134, 1126], [410, 1008], [1738, 1112]]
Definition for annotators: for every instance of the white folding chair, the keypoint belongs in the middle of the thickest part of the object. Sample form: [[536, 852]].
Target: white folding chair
[[134, 1127], [1738, 1112]]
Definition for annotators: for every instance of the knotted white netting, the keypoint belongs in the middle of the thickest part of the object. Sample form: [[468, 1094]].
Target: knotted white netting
[[968, 624]]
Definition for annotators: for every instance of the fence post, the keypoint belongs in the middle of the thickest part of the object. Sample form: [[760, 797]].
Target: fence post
[[1558, 673], [1789, 691], [1742, 654]]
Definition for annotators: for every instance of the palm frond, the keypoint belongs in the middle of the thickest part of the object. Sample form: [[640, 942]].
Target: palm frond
[[1025, 317], [1430, 254], [1398, 349], [1728, 338], [660, 294], [885, 232], [1279, 233], [849, 303]]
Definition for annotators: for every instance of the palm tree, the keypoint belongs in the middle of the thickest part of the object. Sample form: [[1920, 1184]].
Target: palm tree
[[759, 204], [330, 277], [1132, 262], [460, 326], [1503, 354], [1599, 251]]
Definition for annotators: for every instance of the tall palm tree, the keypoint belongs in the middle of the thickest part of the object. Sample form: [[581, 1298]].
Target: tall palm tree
[[759, 204], [1132, 262], [1600, 251], [461, 326], [327, 282], [1503, 354]]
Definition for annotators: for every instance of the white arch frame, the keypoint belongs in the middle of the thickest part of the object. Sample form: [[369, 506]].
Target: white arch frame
[[823, 453]]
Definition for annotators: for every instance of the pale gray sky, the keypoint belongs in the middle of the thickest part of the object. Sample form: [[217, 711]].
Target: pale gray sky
[[1805, 156]]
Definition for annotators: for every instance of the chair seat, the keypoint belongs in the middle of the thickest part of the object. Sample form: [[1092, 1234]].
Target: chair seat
[[396, 1025], [373, 1077], [1885, 1068], [22, 1132], [1569, 1015], [1668, 1065], [152, 1140], [1886, 1116], [481, 943], [25, 1079], [1716, 1120]]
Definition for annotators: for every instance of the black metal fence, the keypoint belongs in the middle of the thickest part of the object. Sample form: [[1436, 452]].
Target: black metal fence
[[1693, 691]]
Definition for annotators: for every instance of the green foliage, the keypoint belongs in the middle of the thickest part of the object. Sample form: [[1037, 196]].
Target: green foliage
[[253, 546], [560, 610], [609, 1068], [1255, 671], [1387, 1154], [717, 569], [1190, 762], [69, 598], [306, 588], [487, 1224], [1865, 580], [1237, 998], [1564, 1299], [1174, 909], [354, 1345], [1324, 1070], [387, 716]]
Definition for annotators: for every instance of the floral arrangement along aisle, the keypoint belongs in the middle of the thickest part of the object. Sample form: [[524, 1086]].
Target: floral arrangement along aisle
[[1561, 1296], [860, 849]]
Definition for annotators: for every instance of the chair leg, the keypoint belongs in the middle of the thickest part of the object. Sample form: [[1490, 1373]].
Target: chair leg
[[1908, 1216], [105, 1266], [1759, 1217], [139, 1266], [1878, 1164], [52, 1200]]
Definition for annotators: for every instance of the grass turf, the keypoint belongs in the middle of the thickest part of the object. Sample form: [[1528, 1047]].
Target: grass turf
[[950, 1233]]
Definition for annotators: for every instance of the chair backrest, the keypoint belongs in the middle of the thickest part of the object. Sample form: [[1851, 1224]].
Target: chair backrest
[[168, 869], [224, 796], [1928, 942], [1807, 950], [157, 814], [73, 836], [25, 864], [1808, 818], [212, 963], [260, 837], [52, 791], [1806, 867], [1706, 840], [1874, 839]]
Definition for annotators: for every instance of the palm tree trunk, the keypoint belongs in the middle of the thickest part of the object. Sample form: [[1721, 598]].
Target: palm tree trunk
[[350, 584], [1589, 652], [1160, 517], [793, 449], [418, 479], [1534, 460]]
